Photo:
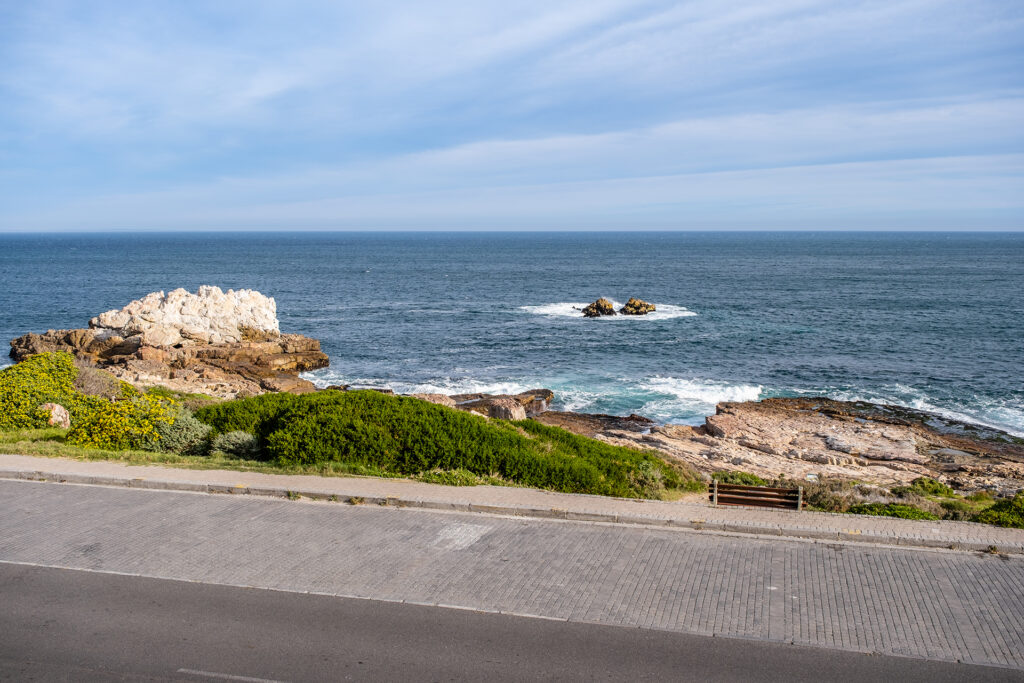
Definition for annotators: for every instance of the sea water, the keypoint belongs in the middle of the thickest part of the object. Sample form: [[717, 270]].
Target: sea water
[[929, 320]]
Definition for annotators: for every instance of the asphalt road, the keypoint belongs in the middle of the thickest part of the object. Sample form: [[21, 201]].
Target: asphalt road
[[60, 624]]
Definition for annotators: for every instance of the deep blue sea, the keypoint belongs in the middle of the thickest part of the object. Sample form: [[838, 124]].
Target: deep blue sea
[[934, 321]]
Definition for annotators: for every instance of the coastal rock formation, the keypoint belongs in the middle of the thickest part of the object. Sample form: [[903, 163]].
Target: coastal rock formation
[[506, 409], [819, 437], [637, 307], [224, 345], [209, 316], [439, 399], [534, 401], [599, 308]]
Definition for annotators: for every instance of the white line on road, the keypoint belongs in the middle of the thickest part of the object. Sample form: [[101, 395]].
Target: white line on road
[[227, 677]]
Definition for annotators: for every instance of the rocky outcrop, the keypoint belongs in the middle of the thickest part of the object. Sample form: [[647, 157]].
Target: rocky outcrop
[[506, 409], [822, 438], [599, 308], [210, 316], [637, 307], [439, 399], [534, 401], [224, 345]]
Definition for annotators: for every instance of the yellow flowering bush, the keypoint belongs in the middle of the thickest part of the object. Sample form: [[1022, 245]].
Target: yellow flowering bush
[[43, 378], [122, 425]]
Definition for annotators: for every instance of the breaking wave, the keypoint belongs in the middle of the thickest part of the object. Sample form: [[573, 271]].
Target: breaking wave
[[573, 310]]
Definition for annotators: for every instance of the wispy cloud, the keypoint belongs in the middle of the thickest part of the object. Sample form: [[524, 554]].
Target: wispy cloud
[[457, 114]]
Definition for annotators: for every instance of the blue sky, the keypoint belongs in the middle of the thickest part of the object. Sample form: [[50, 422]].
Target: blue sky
[[597, 114]]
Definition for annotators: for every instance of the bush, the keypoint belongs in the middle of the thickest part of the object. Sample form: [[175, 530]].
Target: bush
[[740, 478], [131, 424], [100, 383], [955, 509], [371, 432], [237, 444], [1008, 512], [925, 486], [184, 434], [42, 378], [890, 510]]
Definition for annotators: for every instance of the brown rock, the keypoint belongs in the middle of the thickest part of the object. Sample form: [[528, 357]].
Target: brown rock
[[59, 416], [637, 307], [506, 409], [599, 308], [439, 399]]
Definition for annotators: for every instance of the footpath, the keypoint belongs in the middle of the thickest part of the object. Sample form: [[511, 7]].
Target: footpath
[[522, 502]]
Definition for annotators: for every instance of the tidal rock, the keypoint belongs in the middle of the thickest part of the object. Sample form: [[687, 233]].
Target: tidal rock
[[506, 409], [637, 307], [210, 316], [819, 438], [599, 308], [59, 416], [534, 401], [439, 399]]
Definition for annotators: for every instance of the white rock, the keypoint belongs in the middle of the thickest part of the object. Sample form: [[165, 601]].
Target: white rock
[[209, 316]]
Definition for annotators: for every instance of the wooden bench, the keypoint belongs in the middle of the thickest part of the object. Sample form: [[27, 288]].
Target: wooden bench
[[757, 496]]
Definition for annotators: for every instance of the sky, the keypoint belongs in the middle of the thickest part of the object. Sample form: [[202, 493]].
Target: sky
[[459, 115]]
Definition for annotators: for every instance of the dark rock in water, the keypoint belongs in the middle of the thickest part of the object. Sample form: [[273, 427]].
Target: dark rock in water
[[637, 307], [599, 308]]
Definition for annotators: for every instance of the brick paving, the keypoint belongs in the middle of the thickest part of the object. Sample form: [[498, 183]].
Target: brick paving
[[933, 604], [692, 514]]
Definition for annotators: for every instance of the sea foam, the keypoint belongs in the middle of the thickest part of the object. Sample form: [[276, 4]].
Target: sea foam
[[572, 309]]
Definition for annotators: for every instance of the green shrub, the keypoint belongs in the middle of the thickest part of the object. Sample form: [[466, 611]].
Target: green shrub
[[184, 434], [740, 478], [925, 486], [370, 431], [130, 424], [980, 496], [955, 509], [1008, 512], [43, 378], [237, 444], [890, 510]]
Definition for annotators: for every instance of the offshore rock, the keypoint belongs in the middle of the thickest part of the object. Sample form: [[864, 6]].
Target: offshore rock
[[801, 438], [637, 307], [599, 308], [171, 343]]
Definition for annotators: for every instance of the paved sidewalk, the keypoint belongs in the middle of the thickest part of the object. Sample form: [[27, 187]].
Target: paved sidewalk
[[526, 503]]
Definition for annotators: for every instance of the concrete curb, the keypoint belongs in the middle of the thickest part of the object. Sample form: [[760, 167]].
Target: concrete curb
[[732, 527]]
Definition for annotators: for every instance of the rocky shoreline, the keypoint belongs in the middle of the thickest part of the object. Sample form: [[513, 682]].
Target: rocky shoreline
[[228, 345]]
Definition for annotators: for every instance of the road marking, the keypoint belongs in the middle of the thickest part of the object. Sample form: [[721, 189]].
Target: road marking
[[459, 536], [227, 677]]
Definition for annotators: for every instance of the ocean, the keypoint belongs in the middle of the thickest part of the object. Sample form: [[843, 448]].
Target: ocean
[[929, 320]]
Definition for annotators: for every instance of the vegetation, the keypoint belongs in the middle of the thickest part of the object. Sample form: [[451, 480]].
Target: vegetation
[[1007, 512], [739, 478], [370, 432], [891, 510], [44, 378], [925, 486], [134, 423], [236, 444]]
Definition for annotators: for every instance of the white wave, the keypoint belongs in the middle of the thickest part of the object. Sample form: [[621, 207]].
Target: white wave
[[444, 385], [987, 413], [690, 400], [572, 309], [5, 365]]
